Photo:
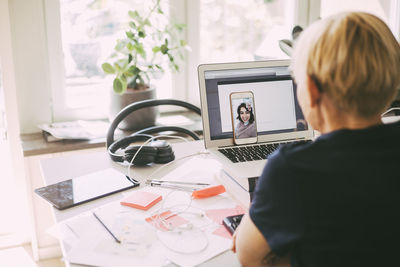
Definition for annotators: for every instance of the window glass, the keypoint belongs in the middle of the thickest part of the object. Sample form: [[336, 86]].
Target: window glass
[[89, 30], [236, 30], [380, 8]]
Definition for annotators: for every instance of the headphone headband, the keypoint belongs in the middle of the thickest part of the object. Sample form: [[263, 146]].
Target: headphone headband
[[144, 104]]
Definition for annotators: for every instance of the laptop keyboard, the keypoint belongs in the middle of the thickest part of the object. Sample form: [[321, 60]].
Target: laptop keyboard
[[251, 152]]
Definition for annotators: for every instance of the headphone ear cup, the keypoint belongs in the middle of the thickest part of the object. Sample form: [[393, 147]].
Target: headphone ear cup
[[146, 155], [165, 153]]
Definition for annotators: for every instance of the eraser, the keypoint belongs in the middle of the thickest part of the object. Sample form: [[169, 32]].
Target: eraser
[[141, 200], [209, 191]]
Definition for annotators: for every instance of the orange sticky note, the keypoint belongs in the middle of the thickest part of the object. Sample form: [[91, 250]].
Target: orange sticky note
[[209, 191], [141, 200]]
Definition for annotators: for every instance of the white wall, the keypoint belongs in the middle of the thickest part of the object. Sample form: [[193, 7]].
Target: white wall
[[31, 64], [13, 129]]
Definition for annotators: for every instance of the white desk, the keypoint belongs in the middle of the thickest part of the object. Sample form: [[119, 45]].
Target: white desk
[[58, 169]]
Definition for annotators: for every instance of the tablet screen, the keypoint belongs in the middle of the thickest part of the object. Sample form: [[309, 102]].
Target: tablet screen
[[81, 189]]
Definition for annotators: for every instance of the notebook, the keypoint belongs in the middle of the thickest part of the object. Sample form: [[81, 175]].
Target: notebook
[[278, 116]]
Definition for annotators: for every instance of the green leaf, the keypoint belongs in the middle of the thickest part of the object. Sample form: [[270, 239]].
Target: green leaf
[[117, 67], [166, 41], [180, 26], [156, 49], [107, 68], [130, 35], [159, 10], [120, 45], [130, 47], [128, 73], [164, 49], [183, 42], [140, 50], [118, 86], [134, 70], [134, 14], [142, 34], [132, 25], [147, 22], [130, 58]]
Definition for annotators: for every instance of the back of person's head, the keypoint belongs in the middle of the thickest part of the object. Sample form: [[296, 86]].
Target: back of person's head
[[354, 58]]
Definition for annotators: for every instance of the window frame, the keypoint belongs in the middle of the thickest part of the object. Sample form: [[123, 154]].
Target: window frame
[[57, 69]]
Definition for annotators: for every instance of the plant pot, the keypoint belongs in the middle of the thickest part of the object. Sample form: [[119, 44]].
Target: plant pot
[[139, 119]]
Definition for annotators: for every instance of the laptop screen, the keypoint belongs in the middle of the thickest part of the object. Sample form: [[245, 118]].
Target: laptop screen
[[276, 107]]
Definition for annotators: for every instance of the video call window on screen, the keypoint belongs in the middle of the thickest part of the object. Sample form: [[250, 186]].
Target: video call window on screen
[[276, 107], [243, 117]]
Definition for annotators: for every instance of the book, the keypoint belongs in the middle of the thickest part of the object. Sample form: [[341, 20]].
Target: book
[[50, 138], [235, 190]]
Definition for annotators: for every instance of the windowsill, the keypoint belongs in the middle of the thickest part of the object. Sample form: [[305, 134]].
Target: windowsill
[[34, 144]]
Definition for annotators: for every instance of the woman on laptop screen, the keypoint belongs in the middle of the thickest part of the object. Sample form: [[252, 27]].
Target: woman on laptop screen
[[334, 201]]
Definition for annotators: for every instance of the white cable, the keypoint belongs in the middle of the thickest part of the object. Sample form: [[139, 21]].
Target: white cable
[[148, 141], [160, 220]]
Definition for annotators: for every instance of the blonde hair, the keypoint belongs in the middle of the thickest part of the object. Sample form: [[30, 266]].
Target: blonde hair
[[352, 57]]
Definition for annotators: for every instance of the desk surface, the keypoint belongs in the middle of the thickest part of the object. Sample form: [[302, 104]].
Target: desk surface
[[34, 144], [58, 169]]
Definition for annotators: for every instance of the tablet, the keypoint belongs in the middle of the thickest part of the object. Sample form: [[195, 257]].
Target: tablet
[[84, 188]]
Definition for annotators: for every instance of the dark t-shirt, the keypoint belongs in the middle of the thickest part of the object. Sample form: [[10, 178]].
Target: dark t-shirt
[[334, 201]]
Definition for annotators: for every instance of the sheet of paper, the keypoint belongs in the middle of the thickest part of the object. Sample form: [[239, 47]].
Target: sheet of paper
[[196, 238], [216, 245], [98, 250], [217, 215], [197, 169]]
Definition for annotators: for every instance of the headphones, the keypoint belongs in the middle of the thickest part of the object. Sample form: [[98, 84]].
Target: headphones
[[157, 151]]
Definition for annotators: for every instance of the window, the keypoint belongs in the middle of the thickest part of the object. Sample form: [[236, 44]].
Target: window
[[81, 34], [234, 30], [387, 10], [243, 30], [88, 30]]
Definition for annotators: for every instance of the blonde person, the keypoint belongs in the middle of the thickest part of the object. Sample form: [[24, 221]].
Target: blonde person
[[334, 201]]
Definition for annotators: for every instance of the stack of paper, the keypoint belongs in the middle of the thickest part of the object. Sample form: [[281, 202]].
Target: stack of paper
[[194, 235]]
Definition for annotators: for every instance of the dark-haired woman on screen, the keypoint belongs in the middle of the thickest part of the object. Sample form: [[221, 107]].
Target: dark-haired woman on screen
[[246, 127]]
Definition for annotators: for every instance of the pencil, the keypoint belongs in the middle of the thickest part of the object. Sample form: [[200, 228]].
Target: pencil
[[108, 230]]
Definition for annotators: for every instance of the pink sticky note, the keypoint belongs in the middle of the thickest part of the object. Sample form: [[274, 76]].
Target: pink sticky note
[[141, 200], [222, 231], [217, 215], [167, 218]]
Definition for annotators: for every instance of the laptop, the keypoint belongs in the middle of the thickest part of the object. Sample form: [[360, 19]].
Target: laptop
[[278, 116]]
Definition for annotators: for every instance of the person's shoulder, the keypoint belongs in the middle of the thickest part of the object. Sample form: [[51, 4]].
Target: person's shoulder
[[283, 160], [296, 148]]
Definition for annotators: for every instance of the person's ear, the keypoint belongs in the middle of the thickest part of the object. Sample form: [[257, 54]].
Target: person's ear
[[314, 94]]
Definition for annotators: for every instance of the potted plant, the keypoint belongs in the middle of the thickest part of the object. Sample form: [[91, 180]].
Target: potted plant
[[150, 41]]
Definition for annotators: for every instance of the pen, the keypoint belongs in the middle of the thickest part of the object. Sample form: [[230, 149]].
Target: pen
[[108, 230], [173, 182], [171, 186]]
